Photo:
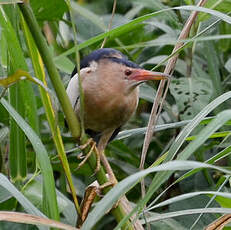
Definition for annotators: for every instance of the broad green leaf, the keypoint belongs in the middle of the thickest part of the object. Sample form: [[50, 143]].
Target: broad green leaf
[[156, 5], [224, 202], [48, 10], [223, 6], [228, 65], [147, 92], [65, 65], [95, 19], [191, 95], [224, 44], [33, 191], [213, 67], [167, 224]]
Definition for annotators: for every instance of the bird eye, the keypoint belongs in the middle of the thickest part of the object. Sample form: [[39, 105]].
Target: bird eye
[[128, 72]]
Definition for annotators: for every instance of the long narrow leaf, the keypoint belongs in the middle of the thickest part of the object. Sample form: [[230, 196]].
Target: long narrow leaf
[[189, 195], [161, 177], [26, 204], [129, 26], [188, 212], [19, 217], [122, 187], [219, 121], [50, 113], [21, 97], [42, 157]]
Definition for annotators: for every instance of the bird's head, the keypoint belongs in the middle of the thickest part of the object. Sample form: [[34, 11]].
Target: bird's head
[[112, 66]]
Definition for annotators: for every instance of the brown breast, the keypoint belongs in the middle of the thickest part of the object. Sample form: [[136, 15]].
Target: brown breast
[[107, 109]]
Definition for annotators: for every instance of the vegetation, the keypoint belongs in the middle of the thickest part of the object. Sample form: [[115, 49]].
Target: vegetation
[[187, 166]]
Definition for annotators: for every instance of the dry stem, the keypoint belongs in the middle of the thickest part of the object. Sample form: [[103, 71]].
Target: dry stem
[[161, 94]]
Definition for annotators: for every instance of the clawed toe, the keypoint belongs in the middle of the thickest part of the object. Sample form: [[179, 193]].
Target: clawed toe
[[86, 157]]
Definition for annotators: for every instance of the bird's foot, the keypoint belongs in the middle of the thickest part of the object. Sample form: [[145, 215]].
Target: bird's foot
[[109, 184], [106, 184], [92, 143]]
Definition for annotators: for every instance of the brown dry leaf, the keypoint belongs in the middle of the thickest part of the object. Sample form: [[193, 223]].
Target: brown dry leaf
[[92, 191], [25, 218], [220, 223]]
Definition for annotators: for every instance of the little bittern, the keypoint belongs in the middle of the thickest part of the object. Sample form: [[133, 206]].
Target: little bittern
[[111, 92]]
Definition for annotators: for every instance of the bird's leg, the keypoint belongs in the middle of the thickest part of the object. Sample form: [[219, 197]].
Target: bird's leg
[[97, 159], [112, 178], [83, 146], [101, 146], [99, 150]]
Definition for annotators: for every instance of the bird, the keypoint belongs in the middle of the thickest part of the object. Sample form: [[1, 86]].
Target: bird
[[110, 84]]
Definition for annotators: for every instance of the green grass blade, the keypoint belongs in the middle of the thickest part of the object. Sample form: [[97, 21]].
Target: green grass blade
[[188, 128], [172, 41], [206, 132], [187, 196], [139, 131], [125, 185], [22, 99], [213, 67], [222, 154], [130, 26], [50, 113], [17, 153], [112, 33], [19, 62], [188, 212], [33, 190], [10, 2], [43, 159], [26, 204], [161, 177]]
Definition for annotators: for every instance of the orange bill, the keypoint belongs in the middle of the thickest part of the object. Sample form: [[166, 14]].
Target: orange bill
[[145, 75]]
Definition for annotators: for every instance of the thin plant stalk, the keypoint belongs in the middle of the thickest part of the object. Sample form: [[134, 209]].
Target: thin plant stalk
[[161, 94], [110, 23]]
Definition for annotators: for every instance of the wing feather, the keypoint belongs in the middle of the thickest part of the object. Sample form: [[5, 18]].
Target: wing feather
[[73, 90]]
